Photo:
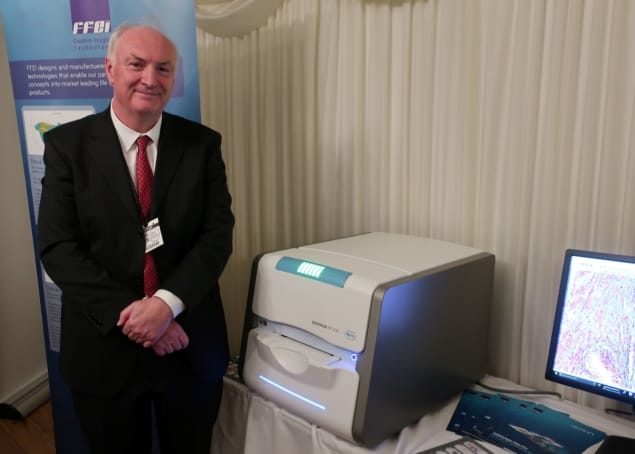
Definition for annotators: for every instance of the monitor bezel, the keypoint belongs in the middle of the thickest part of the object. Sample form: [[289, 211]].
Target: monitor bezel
[[550, 373]]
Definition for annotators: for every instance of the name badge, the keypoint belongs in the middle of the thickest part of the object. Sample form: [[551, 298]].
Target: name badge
[[152, 235]]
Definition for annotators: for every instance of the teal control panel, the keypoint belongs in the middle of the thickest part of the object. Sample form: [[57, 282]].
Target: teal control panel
[[315, 271]]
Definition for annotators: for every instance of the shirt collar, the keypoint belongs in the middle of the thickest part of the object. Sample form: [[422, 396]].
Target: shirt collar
[[127, 136]]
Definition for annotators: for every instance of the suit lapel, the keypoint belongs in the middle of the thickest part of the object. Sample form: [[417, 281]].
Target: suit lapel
[[106, 150], [169, 154]]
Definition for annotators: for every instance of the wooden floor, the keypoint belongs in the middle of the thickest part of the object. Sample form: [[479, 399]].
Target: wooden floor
[[33, 435]]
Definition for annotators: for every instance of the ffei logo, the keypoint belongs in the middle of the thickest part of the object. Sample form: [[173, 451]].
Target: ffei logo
[[89, 26], [90, 16]]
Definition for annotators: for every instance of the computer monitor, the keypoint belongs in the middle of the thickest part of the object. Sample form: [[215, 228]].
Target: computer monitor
[[593, 339]]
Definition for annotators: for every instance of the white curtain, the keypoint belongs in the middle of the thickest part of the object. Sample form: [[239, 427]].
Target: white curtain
[[505, 125]]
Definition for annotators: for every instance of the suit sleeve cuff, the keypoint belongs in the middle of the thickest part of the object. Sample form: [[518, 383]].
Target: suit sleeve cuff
[[174, 302]]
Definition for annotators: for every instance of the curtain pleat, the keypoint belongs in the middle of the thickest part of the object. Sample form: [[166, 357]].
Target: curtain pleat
[[506, 125]]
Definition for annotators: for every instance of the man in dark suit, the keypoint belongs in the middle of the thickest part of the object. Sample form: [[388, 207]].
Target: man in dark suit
[[125, 352]]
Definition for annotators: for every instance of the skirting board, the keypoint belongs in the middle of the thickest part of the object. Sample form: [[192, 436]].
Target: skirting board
[[27, 398]]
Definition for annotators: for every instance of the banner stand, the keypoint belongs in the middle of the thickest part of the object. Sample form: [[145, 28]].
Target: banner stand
[[56, 54]]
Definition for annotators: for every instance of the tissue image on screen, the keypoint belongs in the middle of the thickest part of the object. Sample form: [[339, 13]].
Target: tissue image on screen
[[593, 342]]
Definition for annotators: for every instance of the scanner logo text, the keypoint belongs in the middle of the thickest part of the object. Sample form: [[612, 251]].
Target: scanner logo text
[[325, 326]]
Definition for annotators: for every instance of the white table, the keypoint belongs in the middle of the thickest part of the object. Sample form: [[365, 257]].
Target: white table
[[250, 424]]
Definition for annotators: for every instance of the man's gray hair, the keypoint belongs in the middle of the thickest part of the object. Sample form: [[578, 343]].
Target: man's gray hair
[[127, 25]]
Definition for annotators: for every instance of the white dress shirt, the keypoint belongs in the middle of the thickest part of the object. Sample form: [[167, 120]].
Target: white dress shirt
[[127, 140]]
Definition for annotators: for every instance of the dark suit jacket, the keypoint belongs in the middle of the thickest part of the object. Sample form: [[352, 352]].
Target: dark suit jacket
[[91, 244]]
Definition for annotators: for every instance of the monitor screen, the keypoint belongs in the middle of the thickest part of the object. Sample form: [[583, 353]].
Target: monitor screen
[[593, 340]]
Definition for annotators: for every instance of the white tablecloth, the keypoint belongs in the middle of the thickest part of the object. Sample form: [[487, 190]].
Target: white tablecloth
[[250, 424]]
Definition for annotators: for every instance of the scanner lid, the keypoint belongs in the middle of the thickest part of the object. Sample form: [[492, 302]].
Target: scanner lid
[[385, 255], [335, 305]]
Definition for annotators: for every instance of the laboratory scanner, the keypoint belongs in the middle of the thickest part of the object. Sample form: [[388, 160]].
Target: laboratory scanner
[[364, 335]]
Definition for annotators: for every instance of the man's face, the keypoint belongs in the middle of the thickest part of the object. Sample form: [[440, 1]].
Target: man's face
[[142, 71]]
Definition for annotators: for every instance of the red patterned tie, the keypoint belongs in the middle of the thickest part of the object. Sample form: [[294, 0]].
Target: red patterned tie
[[144, 190]]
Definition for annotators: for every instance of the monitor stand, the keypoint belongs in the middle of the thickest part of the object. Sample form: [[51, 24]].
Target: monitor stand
[[614, 444]]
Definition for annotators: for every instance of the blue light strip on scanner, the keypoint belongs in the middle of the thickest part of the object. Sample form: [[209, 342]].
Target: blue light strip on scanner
[[291, 393], [315, 271]]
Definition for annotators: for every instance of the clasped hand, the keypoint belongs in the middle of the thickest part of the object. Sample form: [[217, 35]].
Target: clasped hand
[[149, 322]]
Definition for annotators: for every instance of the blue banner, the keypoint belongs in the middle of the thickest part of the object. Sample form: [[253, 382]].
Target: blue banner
[[57, 52]]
